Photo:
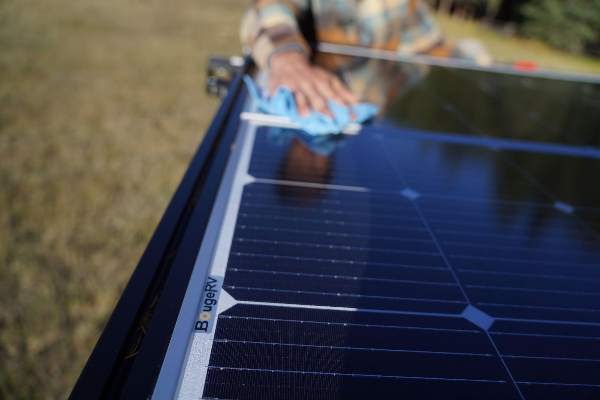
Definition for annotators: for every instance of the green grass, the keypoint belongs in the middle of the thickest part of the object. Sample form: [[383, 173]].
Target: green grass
[[508, 49], [101, 107]]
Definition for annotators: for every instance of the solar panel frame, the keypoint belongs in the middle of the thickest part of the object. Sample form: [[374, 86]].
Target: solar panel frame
[[149, 358], [221, 224]]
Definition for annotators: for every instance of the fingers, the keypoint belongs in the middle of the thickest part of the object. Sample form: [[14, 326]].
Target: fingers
[[312, 88], [327, 91], [301, 103], [307, 97], [316, 100], [343, 92], [333, 88]]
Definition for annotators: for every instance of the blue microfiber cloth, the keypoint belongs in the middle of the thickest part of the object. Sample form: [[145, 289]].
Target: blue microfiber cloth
[[282, 103]]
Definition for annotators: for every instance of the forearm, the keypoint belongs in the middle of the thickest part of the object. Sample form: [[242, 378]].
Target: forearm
[[269, 27]]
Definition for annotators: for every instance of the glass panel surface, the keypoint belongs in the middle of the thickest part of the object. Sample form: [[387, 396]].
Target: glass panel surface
[[449, 250]]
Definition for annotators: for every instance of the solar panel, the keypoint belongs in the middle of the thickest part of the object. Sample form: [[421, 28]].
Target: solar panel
[[450, 250]]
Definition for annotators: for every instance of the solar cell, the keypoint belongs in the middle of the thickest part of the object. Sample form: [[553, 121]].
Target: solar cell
[[408, 261]]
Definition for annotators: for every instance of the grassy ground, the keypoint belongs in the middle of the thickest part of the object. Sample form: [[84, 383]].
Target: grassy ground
[[101, 107]]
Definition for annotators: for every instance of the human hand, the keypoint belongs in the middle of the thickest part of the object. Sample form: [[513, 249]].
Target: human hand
[[312, 86]]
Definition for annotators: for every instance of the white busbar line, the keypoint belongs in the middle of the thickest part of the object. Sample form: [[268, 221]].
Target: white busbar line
[[312, 185], [284, 122]]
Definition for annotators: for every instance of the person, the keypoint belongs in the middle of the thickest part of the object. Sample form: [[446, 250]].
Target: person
[[278, 43]]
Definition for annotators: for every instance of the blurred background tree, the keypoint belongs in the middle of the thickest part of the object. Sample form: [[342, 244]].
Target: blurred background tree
[[572, 25], [509, 11], [499, 10]]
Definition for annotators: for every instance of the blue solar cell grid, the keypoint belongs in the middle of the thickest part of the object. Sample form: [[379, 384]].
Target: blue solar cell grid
[[407, 267]]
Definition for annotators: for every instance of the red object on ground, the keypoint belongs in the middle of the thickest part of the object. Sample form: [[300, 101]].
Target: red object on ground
[[525, 65]]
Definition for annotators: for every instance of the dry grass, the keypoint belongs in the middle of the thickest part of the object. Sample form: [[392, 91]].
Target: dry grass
[[102, 106]]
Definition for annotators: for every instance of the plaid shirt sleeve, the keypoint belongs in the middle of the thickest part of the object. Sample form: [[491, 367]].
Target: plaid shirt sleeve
[[270, 26], [397, 25]]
